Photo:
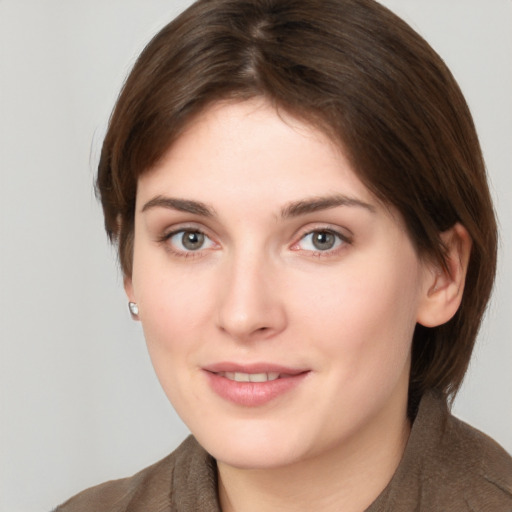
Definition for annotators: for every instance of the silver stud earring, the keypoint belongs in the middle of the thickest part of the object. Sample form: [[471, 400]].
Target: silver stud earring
[[134, 309]]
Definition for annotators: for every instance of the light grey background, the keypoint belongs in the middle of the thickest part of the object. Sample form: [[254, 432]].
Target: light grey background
[[79, 403]]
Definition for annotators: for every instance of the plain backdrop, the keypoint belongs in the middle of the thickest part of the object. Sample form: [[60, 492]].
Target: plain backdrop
[[79, 403]]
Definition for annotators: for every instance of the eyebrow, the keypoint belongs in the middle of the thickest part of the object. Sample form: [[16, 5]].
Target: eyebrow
[[294, 209], [316, 204], [181, 205]]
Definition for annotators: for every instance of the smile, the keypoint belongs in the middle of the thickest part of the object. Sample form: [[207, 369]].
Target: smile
[[249, 377], [253, 385]]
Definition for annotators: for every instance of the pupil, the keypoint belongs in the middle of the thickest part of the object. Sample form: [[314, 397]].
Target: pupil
[[192, 241], [324, 240]]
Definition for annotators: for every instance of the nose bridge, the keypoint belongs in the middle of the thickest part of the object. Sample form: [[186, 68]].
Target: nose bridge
[[249, 303]]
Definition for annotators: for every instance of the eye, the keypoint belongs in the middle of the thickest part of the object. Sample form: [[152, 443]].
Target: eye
[[188, 240], [322, 240]]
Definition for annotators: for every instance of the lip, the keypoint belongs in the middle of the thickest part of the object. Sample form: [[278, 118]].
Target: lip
[[253, 394], [253, 368]]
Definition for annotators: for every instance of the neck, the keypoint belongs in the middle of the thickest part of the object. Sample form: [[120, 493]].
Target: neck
[[348, 477]]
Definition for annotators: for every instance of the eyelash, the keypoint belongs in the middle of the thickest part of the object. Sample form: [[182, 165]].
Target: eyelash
[[341, 241], [165, 239]]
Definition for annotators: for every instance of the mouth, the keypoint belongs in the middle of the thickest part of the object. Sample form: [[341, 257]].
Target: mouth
[[249, 377], [258, 372], [253, 385]]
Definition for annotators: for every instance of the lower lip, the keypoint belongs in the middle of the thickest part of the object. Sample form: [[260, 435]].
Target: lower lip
[[253, 394]]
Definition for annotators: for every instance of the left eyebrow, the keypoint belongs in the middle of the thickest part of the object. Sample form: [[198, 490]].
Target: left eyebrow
[[181, 205], [315, 204]]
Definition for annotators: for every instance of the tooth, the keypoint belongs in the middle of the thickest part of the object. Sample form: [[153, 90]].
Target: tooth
[[258, 377], [250, 377]]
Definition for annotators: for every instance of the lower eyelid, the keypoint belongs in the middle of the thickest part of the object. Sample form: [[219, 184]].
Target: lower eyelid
[[341, 240], [166, 240], [210, 243]]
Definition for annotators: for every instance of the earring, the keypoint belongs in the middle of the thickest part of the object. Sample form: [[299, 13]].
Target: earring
[[134, 309]]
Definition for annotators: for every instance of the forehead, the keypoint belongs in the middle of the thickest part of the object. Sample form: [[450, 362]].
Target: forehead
[[251, 150]]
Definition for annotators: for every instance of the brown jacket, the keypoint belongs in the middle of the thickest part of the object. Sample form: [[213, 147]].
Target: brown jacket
[[447, 467]]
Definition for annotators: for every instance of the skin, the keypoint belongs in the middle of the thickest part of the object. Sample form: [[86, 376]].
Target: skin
[[258, 290]]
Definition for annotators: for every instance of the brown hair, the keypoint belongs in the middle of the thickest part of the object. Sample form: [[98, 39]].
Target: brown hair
[[354, 70]]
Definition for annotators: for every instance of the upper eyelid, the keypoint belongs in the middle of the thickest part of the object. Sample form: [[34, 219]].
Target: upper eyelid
[[331, 231], [165, 238], [345, 240], [173, 230], [342, 232]]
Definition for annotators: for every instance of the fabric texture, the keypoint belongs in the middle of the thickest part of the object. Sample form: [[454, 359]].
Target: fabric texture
[[447, 466]]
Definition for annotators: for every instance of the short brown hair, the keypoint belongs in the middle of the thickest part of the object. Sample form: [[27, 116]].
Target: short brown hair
[[357, 72]]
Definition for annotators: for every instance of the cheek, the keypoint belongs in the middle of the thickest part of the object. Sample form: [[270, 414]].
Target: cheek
[[175, 309], [173, 319], [369, 320], [171, 295]]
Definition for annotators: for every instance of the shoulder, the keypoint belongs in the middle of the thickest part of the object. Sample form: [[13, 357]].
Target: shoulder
[[448, 465], [153, 488], [461, 468], [475, 465]]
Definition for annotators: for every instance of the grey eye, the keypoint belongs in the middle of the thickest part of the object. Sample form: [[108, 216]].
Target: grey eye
[[192, 240], [188, 240], [323, 240]]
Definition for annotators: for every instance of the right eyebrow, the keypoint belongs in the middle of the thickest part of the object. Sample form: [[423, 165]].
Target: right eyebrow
[[180, 205], [315, 204]]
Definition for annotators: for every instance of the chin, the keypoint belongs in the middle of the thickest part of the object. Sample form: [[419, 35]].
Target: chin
[[253, 448], [255, 457]]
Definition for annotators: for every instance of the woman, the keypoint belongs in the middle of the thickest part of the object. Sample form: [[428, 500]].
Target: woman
[[306, 234]]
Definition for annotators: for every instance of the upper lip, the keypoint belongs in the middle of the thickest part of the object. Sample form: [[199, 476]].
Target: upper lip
[[253, 368]]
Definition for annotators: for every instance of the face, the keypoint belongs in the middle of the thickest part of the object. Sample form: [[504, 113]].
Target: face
[[278, 297]]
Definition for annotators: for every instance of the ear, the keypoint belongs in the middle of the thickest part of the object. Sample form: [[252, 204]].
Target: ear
[[128, 288], [132, 304], [444, 285]]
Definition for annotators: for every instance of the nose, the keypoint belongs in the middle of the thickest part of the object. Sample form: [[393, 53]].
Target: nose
[[250, 305]]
